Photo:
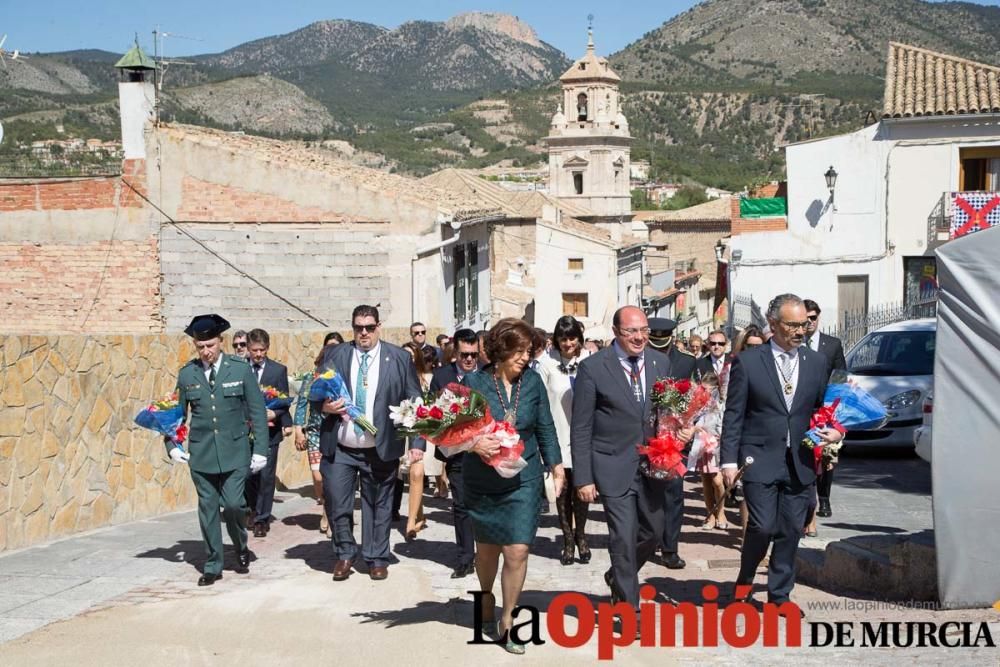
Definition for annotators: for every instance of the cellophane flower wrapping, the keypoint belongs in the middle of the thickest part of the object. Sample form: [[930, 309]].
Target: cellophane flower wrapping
[[453, 419], [329, 384], [846, 406], [677, 404], [166, 417]]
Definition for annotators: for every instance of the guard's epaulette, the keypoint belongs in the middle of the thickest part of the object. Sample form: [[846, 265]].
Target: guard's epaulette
[[233, 357], [194, 362]]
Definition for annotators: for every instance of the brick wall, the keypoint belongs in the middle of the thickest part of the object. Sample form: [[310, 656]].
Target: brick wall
[[211, 202], [110, 286], [750, 225], [326, 269], [686, 241]]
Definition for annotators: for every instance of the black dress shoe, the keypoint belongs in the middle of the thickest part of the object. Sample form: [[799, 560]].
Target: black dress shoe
[[673, 561], [584, 556], [243, 562], [209, 579], [463, 570], [824, 508], [259, 530]]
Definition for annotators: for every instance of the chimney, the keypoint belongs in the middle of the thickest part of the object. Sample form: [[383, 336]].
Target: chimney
[[136, 98]]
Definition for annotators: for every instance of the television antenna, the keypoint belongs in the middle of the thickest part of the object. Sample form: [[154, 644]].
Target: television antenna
[[9, 55], [160, 57]]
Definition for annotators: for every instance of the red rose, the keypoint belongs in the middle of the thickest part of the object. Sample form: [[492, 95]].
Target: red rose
[[436, 413], [422, 412], [683, 386], [455, 408], [659, 387]]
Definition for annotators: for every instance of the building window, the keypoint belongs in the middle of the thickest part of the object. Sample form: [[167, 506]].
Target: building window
[[581, 106], [980, 169], [460, 284], [576, 263], [578, 182], [473, 256], [575, 304]]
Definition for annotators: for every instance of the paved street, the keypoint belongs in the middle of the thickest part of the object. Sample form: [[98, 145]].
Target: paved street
[[127, 594]]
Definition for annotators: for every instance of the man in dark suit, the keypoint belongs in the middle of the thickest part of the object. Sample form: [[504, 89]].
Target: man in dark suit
[[466, 361], [611, 416], [682, 366], [773, 391], [260, 486], [717, 358], [378, 375], [831, 348]]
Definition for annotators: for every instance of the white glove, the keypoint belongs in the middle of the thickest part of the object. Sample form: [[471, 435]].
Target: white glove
[[179, 455], [257, 463]]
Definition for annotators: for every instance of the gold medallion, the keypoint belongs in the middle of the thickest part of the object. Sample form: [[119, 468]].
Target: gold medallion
[[788, 388]]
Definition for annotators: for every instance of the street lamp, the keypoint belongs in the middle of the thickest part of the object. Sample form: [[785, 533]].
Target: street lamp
[[831, 183]]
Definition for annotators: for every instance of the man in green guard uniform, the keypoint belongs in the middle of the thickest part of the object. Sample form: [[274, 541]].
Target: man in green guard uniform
[[221, 395]]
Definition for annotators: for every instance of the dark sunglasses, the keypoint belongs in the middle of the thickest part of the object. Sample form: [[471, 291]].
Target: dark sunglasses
[[812, 318], [239, 344], [717, 343], [367, 328], [468, 355], [419, 333]]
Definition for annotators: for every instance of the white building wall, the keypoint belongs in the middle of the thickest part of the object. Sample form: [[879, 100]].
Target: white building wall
[[598, 280]]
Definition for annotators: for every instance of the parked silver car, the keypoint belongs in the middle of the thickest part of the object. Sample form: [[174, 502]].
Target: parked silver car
[[922, 436], [895, 364]]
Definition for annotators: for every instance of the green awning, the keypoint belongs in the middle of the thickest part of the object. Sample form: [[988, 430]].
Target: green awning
[[769, 207]]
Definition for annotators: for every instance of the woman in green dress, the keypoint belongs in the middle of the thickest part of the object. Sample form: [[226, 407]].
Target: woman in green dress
[[505, 511]]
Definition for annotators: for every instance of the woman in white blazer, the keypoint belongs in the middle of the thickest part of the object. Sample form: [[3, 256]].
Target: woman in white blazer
[[558, 370]]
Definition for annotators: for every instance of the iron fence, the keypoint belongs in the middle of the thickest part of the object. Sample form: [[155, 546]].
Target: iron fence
[[851, 327]]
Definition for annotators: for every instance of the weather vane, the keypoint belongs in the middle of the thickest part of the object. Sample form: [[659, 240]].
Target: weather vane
[[590, 21]]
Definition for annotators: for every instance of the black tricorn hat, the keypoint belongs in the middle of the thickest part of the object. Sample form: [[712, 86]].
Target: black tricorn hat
[[204, 327], [660, 331]]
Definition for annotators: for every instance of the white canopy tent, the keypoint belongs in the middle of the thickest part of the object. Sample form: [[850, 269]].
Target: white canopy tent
[[966, 438]]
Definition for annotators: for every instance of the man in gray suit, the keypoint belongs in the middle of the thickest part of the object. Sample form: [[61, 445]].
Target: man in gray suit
[[379, 375], [611, 416]]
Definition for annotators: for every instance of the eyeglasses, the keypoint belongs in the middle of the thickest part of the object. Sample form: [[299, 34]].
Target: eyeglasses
[[468, 355], [792, 326], [367, 328], [418, 333], [717, 343], [812, 318], [631, 332], [241, 344]]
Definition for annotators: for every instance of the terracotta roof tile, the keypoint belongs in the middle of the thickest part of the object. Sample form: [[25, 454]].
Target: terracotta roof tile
[[714, 210], [919, 82]]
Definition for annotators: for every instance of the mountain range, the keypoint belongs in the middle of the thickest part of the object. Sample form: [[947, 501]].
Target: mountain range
[[710, 94]]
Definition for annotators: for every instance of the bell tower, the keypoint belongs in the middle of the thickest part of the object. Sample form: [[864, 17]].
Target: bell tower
[[589, 141], [136, 99]]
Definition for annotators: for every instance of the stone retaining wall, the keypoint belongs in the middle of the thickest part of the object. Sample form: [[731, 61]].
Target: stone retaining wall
[[71, 458]]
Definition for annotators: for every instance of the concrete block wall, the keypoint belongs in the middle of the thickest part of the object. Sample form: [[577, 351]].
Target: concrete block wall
[[327, 269]]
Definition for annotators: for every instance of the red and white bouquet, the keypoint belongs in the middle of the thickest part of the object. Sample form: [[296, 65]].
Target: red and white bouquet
[[676, 406], [453, 419]]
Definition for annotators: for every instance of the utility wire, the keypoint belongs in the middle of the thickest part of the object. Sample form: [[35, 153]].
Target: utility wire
[[223, 259]]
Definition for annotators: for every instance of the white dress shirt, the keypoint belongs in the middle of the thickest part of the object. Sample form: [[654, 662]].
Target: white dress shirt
[[627, 365], [207, 369], [258, 372], [346, 434]]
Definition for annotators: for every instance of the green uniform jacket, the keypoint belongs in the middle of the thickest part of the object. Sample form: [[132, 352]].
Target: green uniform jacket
[[218, 440]]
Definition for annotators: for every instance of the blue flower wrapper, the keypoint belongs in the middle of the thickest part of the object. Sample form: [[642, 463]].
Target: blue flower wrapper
[[330, 384], [856, 409]]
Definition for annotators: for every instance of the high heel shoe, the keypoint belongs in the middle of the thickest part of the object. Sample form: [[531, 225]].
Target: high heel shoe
[[584, 550], [411, 531], [509, 644], [567, 552]]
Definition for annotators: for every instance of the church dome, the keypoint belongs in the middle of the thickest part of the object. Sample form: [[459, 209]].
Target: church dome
[[558, 119]]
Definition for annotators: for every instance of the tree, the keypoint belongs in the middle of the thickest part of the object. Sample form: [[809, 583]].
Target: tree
[[685, 197]]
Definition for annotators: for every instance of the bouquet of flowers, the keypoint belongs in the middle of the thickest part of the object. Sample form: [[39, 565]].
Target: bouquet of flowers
[[453, 419], [166, 417], [845, 406], [677, 404], [274, 399], [330, 384]]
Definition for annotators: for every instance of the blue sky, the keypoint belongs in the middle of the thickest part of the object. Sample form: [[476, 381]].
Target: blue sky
[[221, 24]]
